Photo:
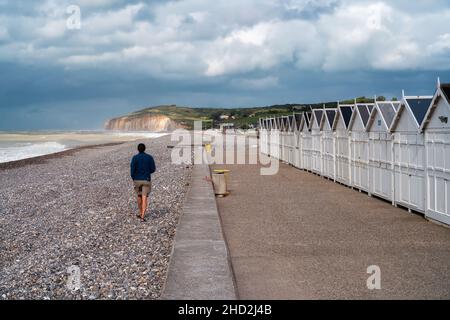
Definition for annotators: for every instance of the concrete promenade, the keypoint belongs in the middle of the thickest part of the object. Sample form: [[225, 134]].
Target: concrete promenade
[[200, 266], [296, 235]]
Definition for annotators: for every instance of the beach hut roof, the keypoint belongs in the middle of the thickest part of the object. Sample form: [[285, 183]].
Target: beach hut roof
[[307, 119], [443, 91], [318, 114], [346, 112], [292, 124], [388, 110], [279, 123], [364, 111], [285, 123], [417, 106], [330, 116], [298, 121]]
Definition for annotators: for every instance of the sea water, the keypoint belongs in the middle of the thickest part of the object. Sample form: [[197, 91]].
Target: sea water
[[22, 145]]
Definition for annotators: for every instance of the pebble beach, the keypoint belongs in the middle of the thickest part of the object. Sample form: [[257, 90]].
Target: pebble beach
[[78, 209]]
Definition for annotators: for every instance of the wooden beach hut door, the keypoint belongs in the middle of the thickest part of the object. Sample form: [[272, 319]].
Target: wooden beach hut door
[[275, 139], [262, 136], [269, 135], [437, 144], [380, 152], [284, 136], [286, 140], [360, 149], [266, 137], [409, 162], [342, 145], [316, 134], [360, 163], [291, 141], [306, 142], [438, 175], [298, 141], [409, 153], [328, 143]]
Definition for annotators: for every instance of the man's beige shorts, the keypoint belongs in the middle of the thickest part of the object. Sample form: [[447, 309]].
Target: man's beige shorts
[[142, 187]]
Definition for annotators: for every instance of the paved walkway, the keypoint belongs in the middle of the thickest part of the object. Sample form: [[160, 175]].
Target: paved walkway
[[199, 266], [295, 235]]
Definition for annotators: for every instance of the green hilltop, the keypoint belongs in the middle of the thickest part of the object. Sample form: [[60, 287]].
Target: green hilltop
[[243, 118]]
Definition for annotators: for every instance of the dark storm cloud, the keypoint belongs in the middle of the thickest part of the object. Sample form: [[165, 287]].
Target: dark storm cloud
[[133, 54]]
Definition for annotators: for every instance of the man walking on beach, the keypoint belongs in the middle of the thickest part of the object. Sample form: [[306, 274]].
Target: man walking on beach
[[142, 167]]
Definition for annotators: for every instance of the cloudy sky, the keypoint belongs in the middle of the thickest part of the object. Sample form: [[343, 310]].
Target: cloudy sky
[[223, 53]]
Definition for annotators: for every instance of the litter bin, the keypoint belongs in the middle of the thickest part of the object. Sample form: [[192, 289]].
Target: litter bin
[[220, 182]]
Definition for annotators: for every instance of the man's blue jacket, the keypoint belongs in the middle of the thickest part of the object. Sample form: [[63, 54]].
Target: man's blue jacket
[[142, 166]]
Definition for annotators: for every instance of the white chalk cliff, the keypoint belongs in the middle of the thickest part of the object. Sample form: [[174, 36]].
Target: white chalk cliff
[[146, 122]]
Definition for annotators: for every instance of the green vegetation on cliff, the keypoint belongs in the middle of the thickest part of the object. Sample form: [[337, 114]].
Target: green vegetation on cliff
[[241, 117]]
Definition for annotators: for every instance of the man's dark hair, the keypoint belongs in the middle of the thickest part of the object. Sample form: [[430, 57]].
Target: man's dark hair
[[141, 147]]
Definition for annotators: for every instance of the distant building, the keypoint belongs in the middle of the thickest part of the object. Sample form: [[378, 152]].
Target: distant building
[[226, 126], [224, 117]]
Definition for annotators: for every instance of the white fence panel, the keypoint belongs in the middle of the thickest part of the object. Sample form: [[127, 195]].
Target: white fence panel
[[360, 160], [438, 175], [328, 154], [409, 170], [316, 156], [307, 150], [342, 158], [380, 163]]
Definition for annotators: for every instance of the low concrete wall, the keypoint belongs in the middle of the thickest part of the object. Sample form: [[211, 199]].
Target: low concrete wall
[[200, 266]]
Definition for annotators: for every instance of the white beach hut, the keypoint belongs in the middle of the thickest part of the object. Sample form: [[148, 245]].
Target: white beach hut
[[298, 118], [436, 128], [381, 174], [280, 136], [291, 139], [316, 134], [261, 135], [409, 152], [268, 129], [265, 137], [284, 138], [341, 125], [274, 138], [359, 146], [306, 141], [328, 144]]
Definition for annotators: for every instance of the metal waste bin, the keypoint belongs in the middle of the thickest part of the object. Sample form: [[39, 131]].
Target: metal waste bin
[[220, 182]]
